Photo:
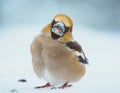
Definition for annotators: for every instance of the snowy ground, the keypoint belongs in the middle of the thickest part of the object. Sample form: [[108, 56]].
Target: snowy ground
[[101, 47]]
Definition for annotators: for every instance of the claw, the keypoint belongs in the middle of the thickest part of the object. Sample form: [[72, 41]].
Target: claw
[[65, 85], [44, 86]]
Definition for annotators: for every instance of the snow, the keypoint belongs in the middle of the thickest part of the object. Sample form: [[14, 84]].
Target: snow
[[101, 47]]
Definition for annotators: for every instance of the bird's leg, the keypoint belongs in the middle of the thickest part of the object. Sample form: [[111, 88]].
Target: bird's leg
[[44, 86], [65, 85]]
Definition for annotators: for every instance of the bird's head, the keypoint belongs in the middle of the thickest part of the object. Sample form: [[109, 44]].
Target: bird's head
[[61, 28]]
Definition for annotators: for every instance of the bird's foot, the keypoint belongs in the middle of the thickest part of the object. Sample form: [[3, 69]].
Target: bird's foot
[[65, 85], [44, 86]]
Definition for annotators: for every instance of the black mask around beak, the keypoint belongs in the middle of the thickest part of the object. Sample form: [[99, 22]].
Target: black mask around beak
[[54, 36]]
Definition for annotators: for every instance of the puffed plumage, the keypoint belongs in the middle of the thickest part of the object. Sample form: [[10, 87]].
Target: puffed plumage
[[55, 59]]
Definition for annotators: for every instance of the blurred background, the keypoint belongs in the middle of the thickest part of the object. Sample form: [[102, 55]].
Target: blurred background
[[99, 14], [96, 28]]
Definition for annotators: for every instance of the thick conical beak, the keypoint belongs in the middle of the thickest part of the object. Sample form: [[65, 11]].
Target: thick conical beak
[[57, 31]]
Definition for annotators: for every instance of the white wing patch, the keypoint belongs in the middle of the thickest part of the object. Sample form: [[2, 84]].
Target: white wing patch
[[80, 54]]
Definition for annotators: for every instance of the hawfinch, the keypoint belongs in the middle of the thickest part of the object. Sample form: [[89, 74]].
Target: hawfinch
[[56, 57]]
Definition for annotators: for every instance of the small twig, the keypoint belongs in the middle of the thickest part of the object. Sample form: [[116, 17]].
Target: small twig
[[22, 80]]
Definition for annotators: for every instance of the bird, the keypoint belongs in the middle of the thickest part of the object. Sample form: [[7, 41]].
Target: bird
[[56, 56]]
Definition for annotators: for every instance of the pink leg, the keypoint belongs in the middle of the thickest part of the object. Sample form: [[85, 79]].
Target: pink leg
[[44, 86], [65, 85]]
